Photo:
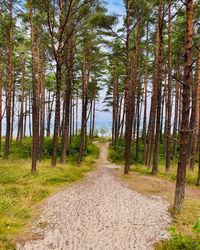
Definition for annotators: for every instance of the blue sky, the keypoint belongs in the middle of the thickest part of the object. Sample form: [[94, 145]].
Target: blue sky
[[114, 7]]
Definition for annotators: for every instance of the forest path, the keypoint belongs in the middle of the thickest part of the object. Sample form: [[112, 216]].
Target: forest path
[[99, 213]]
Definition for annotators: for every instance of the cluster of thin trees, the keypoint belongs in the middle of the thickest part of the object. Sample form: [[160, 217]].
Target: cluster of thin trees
[[50, 59], [157, 78]]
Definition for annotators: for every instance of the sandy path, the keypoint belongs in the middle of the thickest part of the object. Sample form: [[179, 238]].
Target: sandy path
[[100, 213]]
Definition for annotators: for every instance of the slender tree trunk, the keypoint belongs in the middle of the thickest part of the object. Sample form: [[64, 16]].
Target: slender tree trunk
[[162, 115], [1, 75], [70, 128], [192, 121], [130, 92], [94, 110], [30, 115], [83, 111], [34, 101], [13, 107], [25, 115], [138, 111], [8, 109], [198, 178], [39, 80], [115, 87], [68, 98], [181, 172], [128, 129], [58, 89], [73, 115], [85, 104], [22, 103], [153, 104], [145, 93], [42, 111], [168, 146], [77, 114], [195, 133], [176, 112], [159, 86]]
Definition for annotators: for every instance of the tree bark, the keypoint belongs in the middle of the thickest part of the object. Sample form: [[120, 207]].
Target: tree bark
[[128, 128], [176, 111], [195, 133], [58, 89], [68, 98], [22, 103], [34, 101], [159, 86], [42, 111], [145, 93], [8, 109], [168, 146], [183, 154]]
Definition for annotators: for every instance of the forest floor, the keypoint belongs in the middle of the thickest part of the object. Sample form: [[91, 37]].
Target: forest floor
[[100, 212]]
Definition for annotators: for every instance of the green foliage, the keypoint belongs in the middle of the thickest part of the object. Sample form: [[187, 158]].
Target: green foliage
[[196, 227], [179, 241], [23, 150]]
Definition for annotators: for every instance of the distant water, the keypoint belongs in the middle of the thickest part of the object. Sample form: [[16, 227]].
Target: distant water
[[107, 126]]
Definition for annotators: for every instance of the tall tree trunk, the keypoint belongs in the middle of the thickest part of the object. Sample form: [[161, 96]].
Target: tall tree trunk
[[153, 105], [77, 113], [85, 104], [181, 172], [168, 146], [195, 133], [159, 86], [115, 87], [13, 106], [42, 111], [58, 87], [1, 75], [192, 120], [34, 100], [22, 103], [128, 128], [145, 93], [67, 96], [94, 110], [83, 110], [176, 112], [130, 91], [39, 77], [30, 133], [138, 111], [8, 109], [25, 114]]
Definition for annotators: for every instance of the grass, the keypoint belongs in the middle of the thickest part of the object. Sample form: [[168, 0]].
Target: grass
[[184, 236], [191, 176], [21, 191]]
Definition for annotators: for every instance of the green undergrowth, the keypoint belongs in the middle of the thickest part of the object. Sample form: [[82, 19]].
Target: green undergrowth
[[118, 158], [20, 191], [180, 241], [118, 155], [23, 150], [185, 228]]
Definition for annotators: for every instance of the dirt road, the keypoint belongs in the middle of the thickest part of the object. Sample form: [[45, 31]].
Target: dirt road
[[100, 213]]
